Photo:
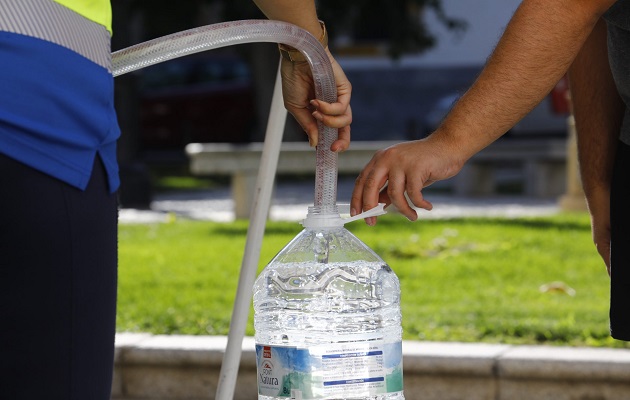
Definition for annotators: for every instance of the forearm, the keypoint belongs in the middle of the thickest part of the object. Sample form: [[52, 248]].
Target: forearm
[[598, 112], [536, 49], [298, 12]]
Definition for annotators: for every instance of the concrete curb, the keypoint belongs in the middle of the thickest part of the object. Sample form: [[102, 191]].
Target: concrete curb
[[164, 367]]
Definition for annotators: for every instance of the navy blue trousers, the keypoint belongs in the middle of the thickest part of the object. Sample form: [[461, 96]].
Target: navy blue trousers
[[620, 245], [58, 276]]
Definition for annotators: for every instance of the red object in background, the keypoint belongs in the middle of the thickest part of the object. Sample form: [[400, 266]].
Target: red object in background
[[560, 103]]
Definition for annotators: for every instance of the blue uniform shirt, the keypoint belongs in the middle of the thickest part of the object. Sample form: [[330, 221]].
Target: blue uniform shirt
[[56, 97]]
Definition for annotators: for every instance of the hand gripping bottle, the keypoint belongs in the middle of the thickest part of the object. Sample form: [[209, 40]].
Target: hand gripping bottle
[[327, 318]]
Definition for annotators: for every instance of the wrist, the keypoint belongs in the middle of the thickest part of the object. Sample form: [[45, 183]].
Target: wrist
[[454, 146], [291, 54]]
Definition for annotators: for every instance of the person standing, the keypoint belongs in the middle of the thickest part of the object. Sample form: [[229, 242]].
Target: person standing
[[58, 196], [58, 206], [544, 40]]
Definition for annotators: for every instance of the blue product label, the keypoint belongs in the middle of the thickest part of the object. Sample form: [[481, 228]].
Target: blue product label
[[348, 369]]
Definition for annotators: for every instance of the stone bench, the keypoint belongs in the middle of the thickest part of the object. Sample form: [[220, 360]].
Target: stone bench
[[241, 162], [543, 161], [187, 368]]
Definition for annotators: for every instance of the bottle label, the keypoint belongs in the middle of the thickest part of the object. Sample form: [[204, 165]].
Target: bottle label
[[347, 369]]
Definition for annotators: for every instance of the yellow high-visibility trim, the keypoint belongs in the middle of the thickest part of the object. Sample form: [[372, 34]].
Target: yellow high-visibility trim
[[99, 11]]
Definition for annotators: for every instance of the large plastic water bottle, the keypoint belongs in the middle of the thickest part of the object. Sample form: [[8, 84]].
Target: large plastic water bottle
[[327, 319]]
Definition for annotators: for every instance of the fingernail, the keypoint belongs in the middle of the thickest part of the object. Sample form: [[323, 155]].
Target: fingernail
[[314, 103], [353, 212], [318, 116], [312, 142], [371, 221]]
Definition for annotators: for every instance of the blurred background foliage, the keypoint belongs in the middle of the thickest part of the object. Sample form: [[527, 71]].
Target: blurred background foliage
[[396, 25]]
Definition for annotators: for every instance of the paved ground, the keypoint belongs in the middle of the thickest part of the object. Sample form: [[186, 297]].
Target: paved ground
[[292, 199]]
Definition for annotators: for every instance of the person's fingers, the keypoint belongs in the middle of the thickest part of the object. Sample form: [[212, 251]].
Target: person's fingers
[[307, 122], [309, 125], [396, 193], [336, 115], [343, 140], [336, 109], [356, 198], [334, 121], [367, 186], [383, 197], [371, 192], [416, 197]]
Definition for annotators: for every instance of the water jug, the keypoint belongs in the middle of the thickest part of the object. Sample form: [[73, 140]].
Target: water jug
[[327, 318]]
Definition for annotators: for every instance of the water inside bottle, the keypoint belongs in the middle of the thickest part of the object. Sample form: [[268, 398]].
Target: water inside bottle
[[328, 321]]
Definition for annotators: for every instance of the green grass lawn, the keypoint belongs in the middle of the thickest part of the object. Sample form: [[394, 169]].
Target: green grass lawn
[[471, 279]]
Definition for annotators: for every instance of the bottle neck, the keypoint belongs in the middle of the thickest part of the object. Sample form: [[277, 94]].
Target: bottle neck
[[323, 217]]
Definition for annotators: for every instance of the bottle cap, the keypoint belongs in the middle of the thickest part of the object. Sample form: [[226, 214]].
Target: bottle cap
[[317, 219]]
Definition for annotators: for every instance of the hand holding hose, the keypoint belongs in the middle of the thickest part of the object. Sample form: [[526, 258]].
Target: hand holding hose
[[297, 81], [299, 100]]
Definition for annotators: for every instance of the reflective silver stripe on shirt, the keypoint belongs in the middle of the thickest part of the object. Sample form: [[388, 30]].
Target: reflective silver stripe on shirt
[[50, 21]]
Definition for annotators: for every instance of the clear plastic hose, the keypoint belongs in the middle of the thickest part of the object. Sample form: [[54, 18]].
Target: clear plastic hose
[[248, 31]]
